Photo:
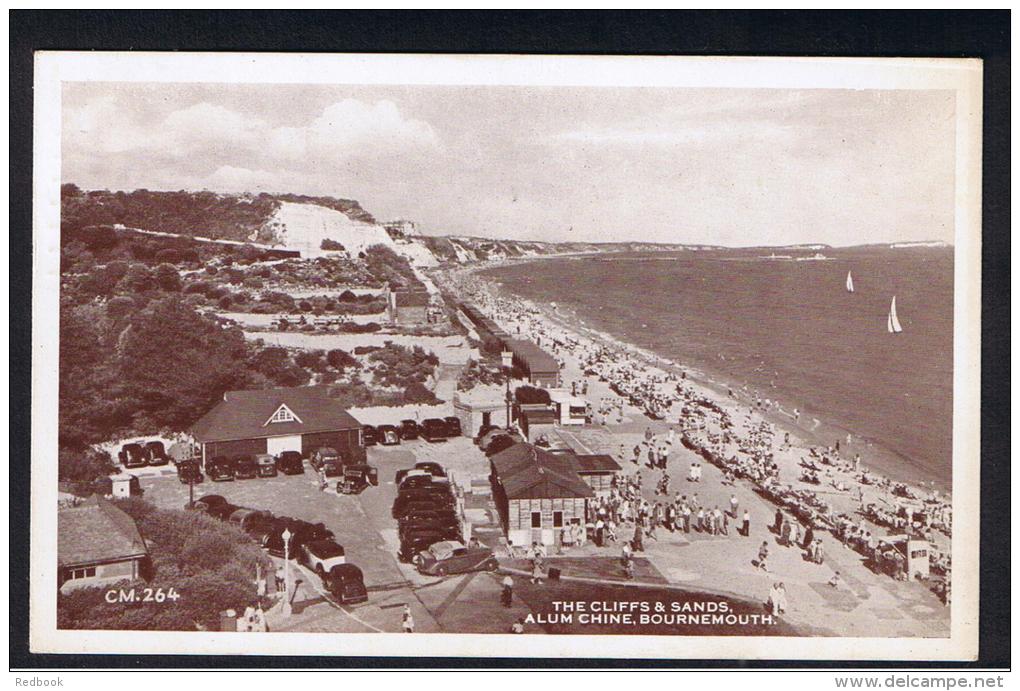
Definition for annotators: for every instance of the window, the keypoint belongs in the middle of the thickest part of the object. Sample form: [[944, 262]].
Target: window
[[87, 572], [557, 519], [536, 519], [283, 414]]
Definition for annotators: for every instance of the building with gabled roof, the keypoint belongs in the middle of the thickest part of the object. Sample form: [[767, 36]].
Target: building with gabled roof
[[302, 418], [98, 544]]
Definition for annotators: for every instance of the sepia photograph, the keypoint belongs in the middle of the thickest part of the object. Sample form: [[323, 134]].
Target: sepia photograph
[[567, 356]]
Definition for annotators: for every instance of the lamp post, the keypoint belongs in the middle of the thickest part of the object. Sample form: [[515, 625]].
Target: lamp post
[[507, 359], [286, 571]]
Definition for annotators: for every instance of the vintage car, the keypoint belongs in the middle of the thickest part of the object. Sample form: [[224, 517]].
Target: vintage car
[[409, 429], [447, 526], [369, 435], [321, 555], [250, 520], [356, 478], [222, 511], [402, 509], [208, 501], [388, 435], [189, 473], [433, 430], [245, 467], [300, 533], [450, 557], [483, 432], [413, 543], [290, 463], [156, 453], [422, 514], [346, 583], [405, 473], [452, 426], [485, 440], [500, 442], [431, 467], [328, 459], [220, 469], [133, 456], [265, 465], [418, 481]]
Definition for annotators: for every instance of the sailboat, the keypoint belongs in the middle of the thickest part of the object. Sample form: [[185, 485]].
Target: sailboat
[[893, 322], [849, 282]]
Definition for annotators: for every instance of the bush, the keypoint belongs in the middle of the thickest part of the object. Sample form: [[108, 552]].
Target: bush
[[340, 360], [119, 307], [419, 393], [83, 466], [355, 328], [530, 394], [328, 244], [167, 278]]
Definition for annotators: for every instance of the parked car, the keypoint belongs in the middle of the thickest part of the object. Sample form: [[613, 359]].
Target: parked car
[[301, 532], [346, 583], [447, 525], [420, 515], [388, 435], [208, 501], [431, 467], [433, 430], [486, 440], [328, 458], [483, 431], [188, 472], [418, 542], [369, 435], [259, 525], [156, 453], [421, 499], [403, 509], [249, 519], [498, 443], [290, 463], [356, 478], [265, 465], [321, 555], [405, 473], [452, 426], [409, 429], [220, 469], [450, 557], [245, 467], [133, 456], [222, 511], [416, 480]]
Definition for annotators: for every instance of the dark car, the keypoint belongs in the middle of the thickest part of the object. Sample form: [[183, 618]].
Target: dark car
[[265, 465], [251, 520], [301, 532], [401, 510], [189, 473], [450, 557], [356, 478], [222, 511], [208, 501], [416, 481], [328, 459], [220, 469], [388, 435], [452, 426], [290, 463], [245, 467], [416, 515], [447, 525], [500, 442], [321, 556], [133, 456], [421, 500], [431, 467], [409, 429], [413, 544], [347, 584], [369, 435], [156, 453], [433, 430], [484, 430]]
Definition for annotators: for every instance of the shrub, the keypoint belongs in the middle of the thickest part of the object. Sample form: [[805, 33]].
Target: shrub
[[530, 394], [419, 393], [340, 359], [83, 466], [328, 244], [167, 278], [119, 307], [225, 302]]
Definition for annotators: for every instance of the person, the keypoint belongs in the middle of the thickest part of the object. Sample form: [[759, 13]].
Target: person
[[778, 525], [763, 555], [407, 622], [835, 581], [699, 524], [637, 544], [600, 527], [781, 590], [517, 626], [809, 537], [685, 512], [323, 483], [536, 571], [507, 596], [260, 623], [734, 505], [773, 600], [747, 523], [819, 556]]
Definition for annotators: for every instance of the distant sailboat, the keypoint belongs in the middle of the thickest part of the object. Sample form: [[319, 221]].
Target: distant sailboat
[[849, 282], [893, 322]]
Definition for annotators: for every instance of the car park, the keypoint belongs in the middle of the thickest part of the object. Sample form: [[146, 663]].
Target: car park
[[265, 465], [433, 430], [245, 467], [156, 453], [189, 473], [451, 557], [133, 456], [290, 463], [321, 555], [388, 435], [328, 459], [452, 426], [369, 435], [409, 430], [220, 469], [346, 583]]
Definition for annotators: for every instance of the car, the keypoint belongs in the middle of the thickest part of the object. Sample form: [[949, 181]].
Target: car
[[321, 555], [433, 430], [418, 542], [484, 430], [486, 439], [452, 426], [300, 531], [265, 465], [417, 481], [208, 501], [133, 456], [500, 442], [290, 463], [356, 478], [156, 453], [259, 525], [369, 435], [346, 583], [449, 526], [328, 459], [245, 467], [438, 514], [188, 472], [220, 469], [222, 511], [405, 473], [388, 435], [409, 430], [431, 467], [421, 499], [401, 510], [451, 557], [249, 520], [437, 491]]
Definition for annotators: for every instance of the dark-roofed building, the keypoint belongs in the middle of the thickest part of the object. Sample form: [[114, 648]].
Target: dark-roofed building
[[598, 471], [541, 368], [98, 544], [538, 493], [302, 418], [409, 305]]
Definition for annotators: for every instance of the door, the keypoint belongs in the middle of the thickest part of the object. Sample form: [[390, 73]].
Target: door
[[277, 445]]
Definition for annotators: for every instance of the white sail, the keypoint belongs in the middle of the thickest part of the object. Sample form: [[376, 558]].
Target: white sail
[[893, 321], [849, 282]]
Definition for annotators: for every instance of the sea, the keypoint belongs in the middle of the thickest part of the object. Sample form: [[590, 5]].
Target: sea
[[782, 323]]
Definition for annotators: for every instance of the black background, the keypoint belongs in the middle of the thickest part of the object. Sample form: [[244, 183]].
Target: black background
[[983, 34]]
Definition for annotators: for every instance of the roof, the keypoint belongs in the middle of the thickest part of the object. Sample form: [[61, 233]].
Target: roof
[[411, 298], [527, 472], [597, 463], [539, 416], [244, 414], [96, 531], [537, 360]]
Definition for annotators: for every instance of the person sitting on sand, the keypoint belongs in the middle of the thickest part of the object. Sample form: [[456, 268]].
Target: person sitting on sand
[[835, 581]]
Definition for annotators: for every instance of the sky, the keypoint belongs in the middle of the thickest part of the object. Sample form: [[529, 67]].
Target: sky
[[700, 166]]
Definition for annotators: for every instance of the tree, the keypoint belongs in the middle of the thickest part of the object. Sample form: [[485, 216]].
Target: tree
[[419, 393], [138, 279], [83, 467], [167, 278], [340, 360], [119, 307]]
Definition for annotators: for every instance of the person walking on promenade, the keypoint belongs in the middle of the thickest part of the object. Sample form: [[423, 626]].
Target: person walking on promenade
[[637, 544], [734, 505], [507, 596], [809, 537], [778, 525], [407, 621], [725, 524], [685, 512], [747, 523], [536, 571], [699, 525], [773, 600], [763, 555]]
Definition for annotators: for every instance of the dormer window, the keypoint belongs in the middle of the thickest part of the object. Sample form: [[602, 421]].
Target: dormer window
[[282, 414]]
